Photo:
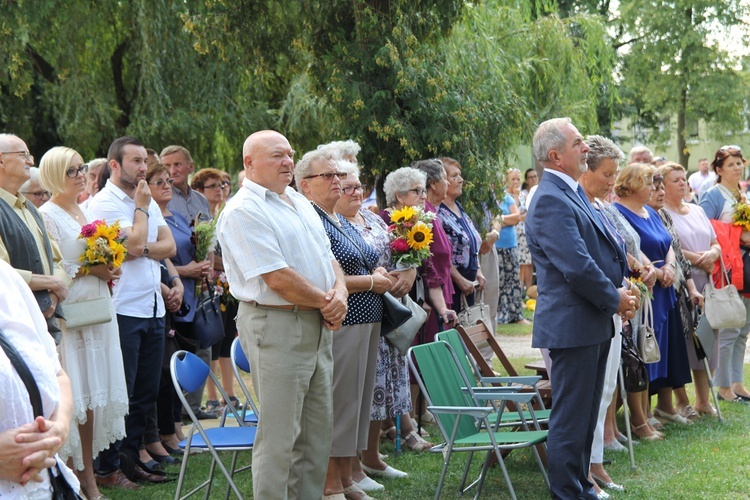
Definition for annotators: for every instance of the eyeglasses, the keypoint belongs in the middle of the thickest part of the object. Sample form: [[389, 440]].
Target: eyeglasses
[[225, 184], [39, 195], [25, 154], [352, 189], [73, 172], [162, 182], [417, 191], [328, 176]]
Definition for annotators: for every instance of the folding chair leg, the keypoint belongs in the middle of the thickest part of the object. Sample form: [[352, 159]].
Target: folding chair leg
[[501, 462], [469, 460]]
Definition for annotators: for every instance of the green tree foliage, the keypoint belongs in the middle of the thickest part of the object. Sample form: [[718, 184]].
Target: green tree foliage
[[673, 68], [81, 73]]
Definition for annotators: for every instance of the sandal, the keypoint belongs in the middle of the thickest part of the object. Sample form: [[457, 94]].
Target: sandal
[[212, 406], [641, 430], [414, 442], [388, 434]]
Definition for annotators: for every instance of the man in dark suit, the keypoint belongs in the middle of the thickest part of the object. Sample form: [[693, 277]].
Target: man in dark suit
[[580, 275]]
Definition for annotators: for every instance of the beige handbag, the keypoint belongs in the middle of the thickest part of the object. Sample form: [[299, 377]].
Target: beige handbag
[[87, 312], [647, 343], [723, 306]]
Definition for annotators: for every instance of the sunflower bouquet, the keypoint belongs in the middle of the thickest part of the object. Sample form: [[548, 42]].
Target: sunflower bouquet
[[104, 245], [411, 235], [741, 216], [637, 280]]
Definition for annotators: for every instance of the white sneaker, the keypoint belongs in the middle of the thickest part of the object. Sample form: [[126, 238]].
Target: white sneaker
[[388, 472], [368, 484]]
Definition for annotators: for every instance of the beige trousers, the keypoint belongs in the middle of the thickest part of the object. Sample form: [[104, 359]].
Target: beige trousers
[[292, 369]]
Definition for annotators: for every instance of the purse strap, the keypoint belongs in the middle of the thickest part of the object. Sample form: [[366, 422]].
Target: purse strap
[[723, 272], [23, 371], [324, 214], [647, 313]]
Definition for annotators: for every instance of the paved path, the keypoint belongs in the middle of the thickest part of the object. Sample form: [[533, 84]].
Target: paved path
[[518, 346]]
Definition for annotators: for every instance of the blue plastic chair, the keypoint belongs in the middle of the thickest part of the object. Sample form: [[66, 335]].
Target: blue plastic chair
[[248, 409], [188, 374]]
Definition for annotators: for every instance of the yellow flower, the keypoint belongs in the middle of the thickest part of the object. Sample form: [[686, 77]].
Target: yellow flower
[[419, 236], [403, 214], [531, 304]]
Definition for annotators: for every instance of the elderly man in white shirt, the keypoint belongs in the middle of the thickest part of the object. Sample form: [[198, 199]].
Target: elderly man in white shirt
[[138, 301], [279, 263]]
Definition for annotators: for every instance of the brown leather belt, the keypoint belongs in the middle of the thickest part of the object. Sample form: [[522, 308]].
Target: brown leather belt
[[290, 308]]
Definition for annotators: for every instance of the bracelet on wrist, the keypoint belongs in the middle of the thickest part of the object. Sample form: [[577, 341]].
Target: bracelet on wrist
[[372, 283], [139, 209], [172, 278]]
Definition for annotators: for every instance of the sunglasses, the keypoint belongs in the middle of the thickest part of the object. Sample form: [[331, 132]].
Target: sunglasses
[[732, 150]]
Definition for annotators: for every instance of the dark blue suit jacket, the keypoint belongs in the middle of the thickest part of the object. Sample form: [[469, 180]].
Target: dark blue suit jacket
[[579, 267]]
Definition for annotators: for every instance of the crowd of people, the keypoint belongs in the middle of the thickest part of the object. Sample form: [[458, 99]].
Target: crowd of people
[[306, 262]]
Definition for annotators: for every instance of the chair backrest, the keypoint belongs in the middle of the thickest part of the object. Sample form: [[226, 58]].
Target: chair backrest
[[477, 335], [239, 357], [190, 371], [453, 339], [436, 368]]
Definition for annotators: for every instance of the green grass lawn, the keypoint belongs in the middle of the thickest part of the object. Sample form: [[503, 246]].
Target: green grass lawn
[[705, 460]]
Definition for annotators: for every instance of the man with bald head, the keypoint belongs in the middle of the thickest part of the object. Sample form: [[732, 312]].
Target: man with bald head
[[279, 264]]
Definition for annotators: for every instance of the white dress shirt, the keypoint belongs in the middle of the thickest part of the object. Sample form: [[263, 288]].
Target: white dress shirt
[[138, 291], [259, 232]]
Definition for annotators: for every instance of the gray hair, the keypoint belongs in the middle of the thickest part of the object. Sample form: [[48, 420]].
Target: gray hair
[[401, 181], [342, 148], [303, 168], [637, 150], [601, 148], [548, 136], [347, 167], [33, 177], [432, 168]]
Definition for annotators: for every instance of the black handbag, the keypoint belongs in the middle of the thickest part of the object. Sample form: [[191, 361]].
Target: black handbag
[[208, 325], [61, 488], [633, 368], [395, 314]]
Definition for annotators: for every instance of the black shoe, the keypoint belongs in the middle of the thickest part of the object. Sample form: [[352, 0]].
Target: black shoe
[[737, 399], [165, 459], [137, 471], [205, 415], [172, 451], [744, 398]]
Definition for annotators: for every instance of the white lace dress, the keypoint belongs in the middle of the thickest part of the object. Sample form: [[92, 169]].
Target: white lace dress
[[91, 356]]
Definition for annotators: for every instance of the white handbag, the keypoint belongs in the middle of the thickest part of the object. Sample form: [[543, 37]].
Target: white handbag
[[723, 306], [647, 344], [87, 313], [469, 315]]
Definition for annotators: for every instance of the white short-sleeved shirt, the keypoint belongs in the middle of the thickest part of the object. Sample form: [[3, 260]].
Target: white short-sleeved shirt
[[24, 326], [259, 232], [139, 287]]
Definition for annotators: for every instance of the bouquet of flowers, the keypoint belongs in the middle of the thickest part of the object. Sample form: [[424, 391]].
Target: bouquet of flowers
[[637, 280], [104, 245], [204, 239], [221, 287], [741, 216], [411, 235]]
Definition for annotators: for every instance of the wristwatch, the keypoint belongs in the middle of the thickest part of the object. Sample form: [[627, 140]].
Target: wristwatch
[[145, 250]]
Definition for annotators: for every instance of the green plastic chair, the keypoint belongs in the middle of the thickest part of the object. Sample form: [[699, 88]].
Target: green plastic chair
[[462, 417], [470, 369]]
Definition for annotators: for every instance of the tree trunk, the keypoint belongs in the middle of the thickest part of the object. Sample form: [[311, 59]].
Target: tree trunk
[[684, 153]]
